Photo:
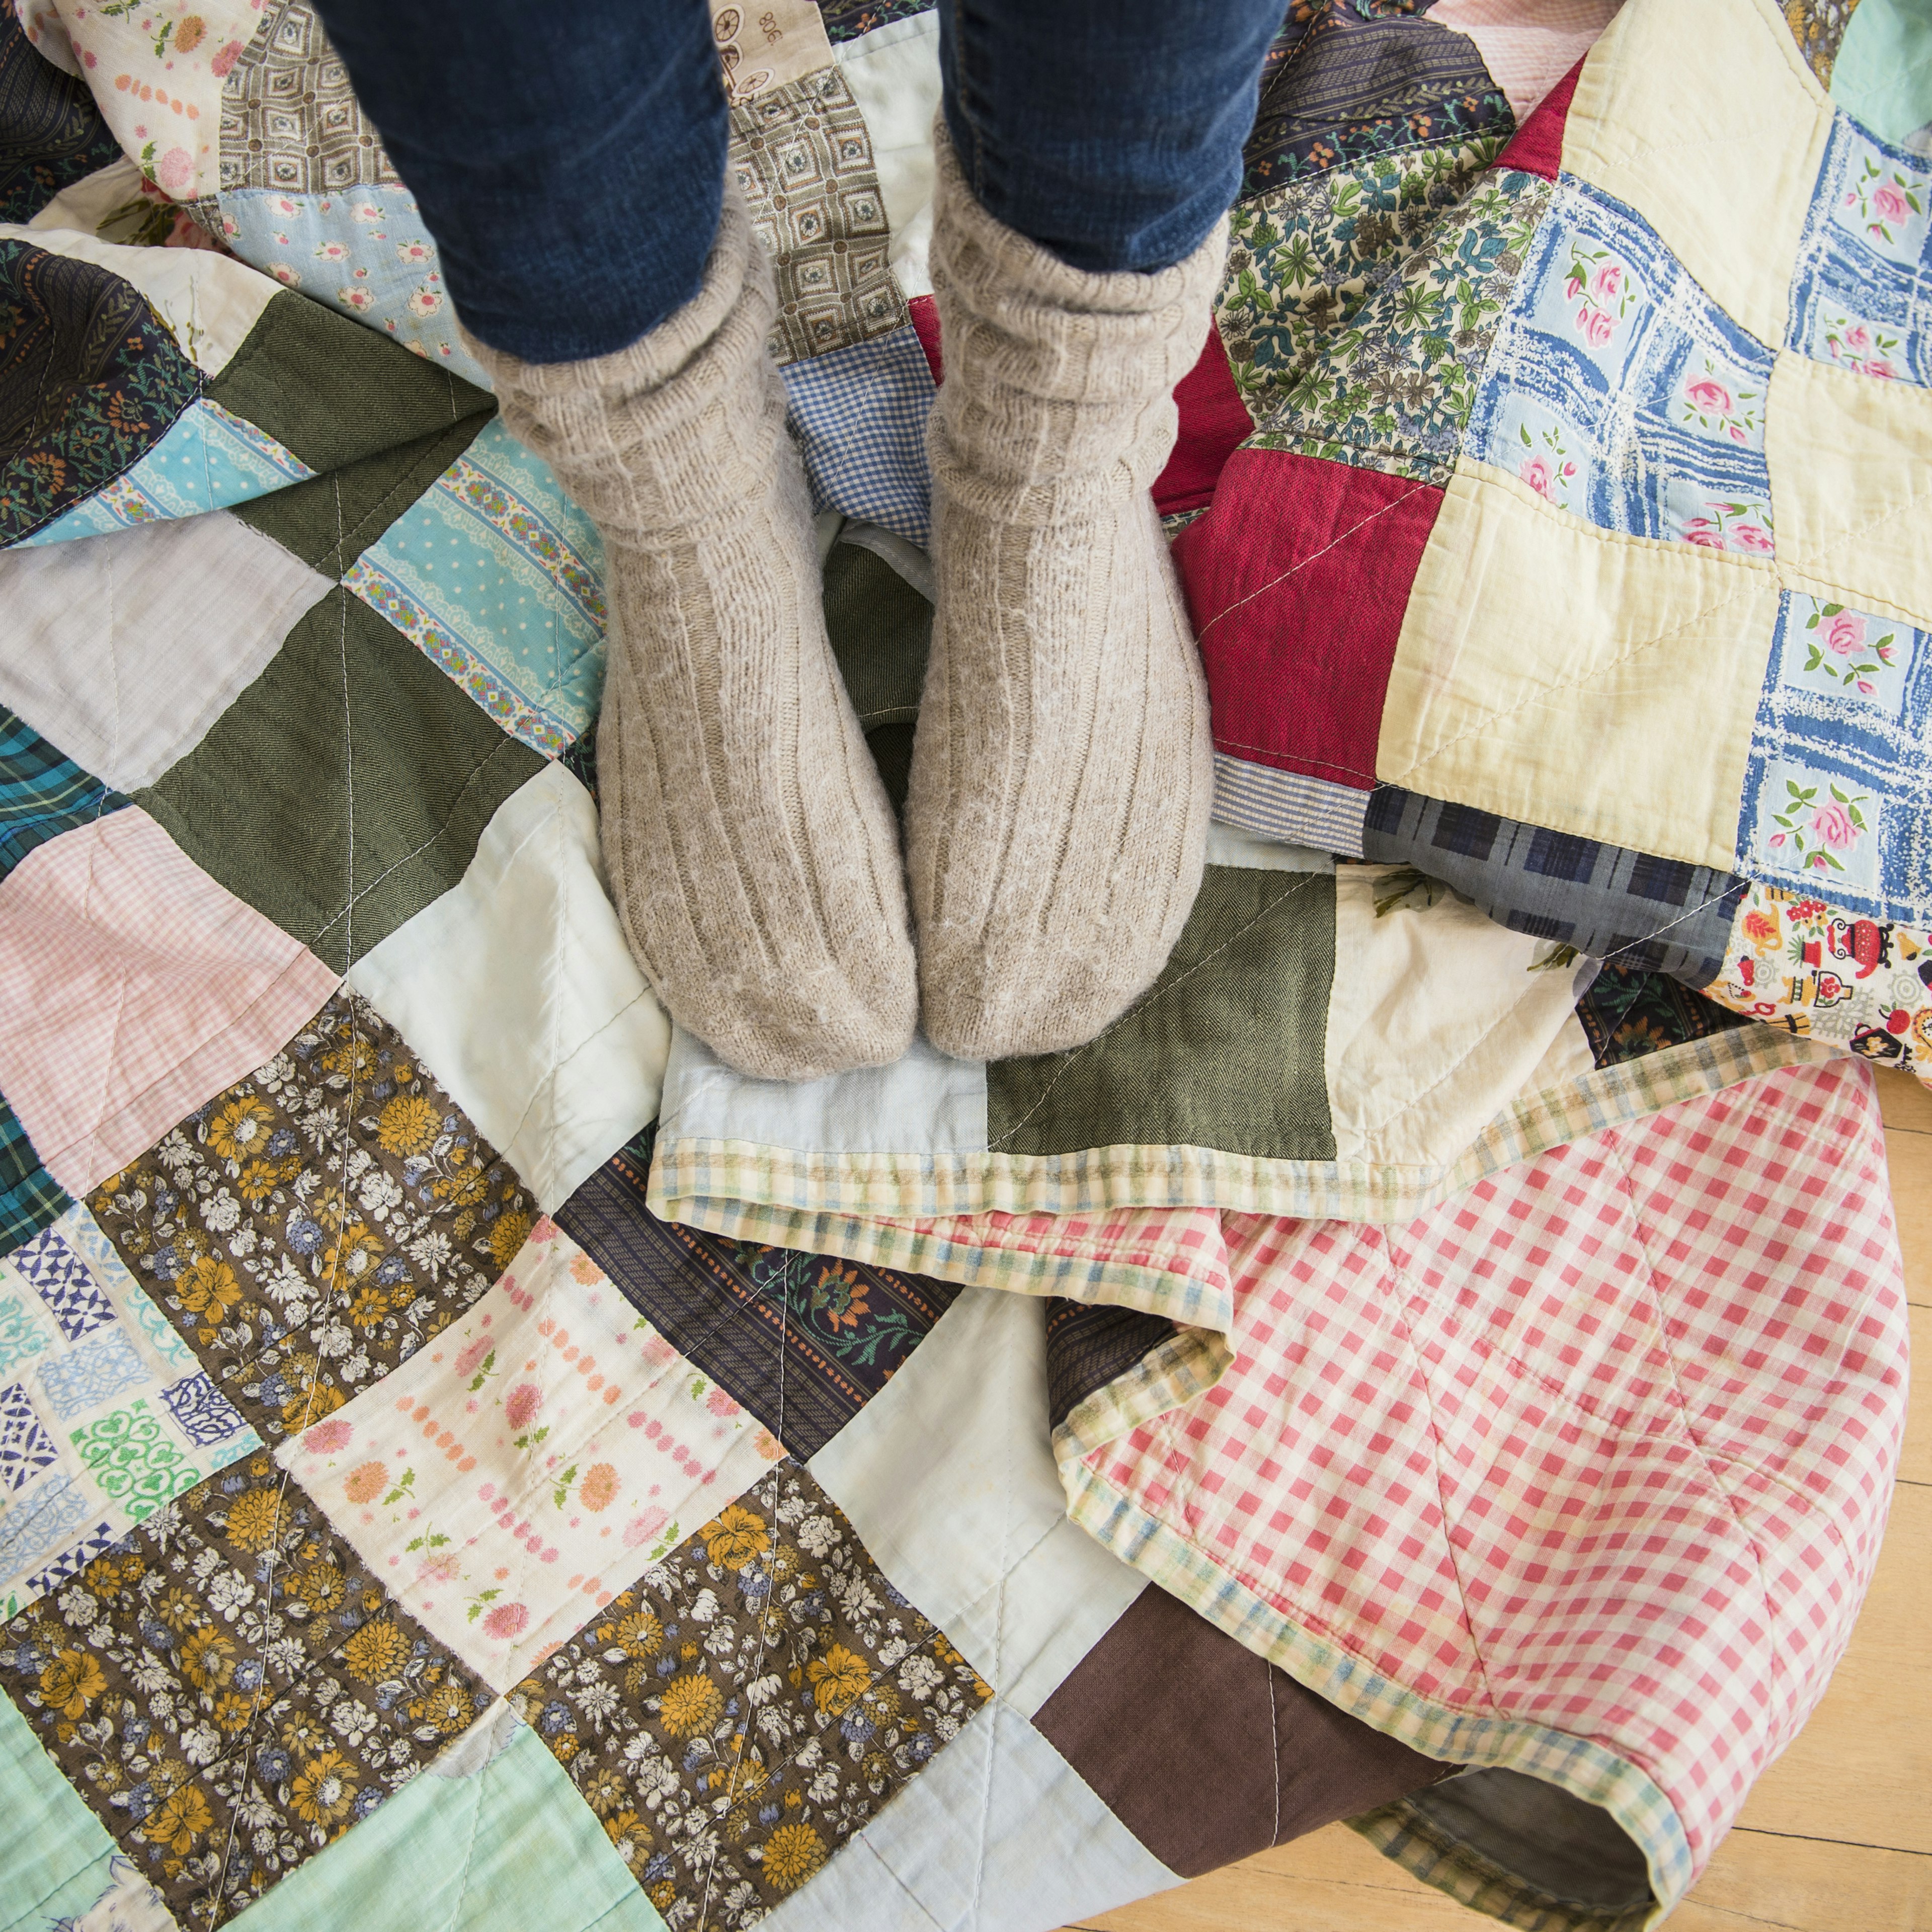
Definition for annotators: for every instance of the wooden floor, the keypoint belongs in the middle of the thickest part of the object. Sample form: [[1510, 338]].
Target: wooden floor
[[1836, 1837]]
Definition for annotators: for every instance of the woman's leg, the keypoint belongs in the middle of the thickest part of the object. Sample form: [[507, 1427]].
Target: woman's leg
[[1056, 818], [1108, 131], [571, 175], [611, 284]]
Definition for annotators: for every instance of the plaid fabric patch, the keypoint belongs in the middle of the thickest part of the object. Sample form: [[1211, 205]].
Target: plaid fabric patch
[[859, 415], [1628, 908], [30, 1197], [1527, 1482], [43, 792]]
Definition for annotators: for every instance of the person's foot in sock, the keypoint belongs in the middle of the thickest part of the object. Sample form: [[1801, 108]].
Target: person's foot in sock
[[1057, 819], [752, 851]]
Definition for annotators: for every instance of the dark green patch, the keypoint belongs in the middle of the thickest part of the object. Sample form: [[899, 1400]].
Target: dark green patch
[[328, 521], [334, 391], [264, 802], [1225, 1051], [881, 631]]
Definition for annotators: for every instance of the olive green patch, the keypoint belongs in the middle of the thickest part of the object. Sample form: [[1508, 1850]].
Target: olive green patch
[[328, 521], [334, 391], [881, 631], [265, 801], [1225, 1050]]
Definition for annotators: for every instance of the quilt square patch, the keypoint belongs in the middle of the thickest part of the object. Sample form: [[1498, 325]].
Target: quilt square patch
[[1253, 967], [859, 415], [803, 158], [231, 1691], [349, 728], [1359, 305], [209, 459], [290, 120], [25, 1446], [1618, 390], [497, 577], [363, 250], [74, 1299], [89, 424], [201, 1412], [314, 1225], [1858, 297], [30, 1197], [507, 1481], [1838, 792], [758, 1696], [96, 1361], [1289, 543], [43, 792], [105, 1365], [804, 1341], [38, 1527]]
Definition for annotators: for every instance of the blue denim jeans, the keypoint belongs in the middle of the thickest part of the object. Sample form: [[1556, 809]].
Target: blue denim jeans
[[572, 179]]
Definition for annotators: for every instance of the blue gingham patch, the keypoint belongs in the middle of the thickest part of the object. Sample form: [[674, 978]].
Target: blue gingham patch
[[859, 416]]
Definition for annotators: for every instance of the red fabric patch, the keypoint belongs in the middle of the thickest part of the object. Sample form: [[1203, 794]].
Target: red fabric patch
[[1297, 579], [1214, 423], [925, 320], [1536, 146]]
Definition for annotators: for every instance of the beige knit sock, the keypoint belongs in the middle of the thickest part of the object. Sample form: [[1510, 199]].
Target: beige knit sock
[[1061, 775], [753, 854]]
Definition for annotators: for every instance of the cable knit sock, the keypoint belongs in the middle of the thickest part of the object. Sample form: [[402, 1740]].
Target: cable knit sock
[[1062, 771], [753, 854]]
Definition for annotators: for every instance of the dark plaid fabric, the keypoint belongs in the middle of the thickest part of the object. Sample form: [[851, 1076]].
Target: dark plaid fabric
[[1628, 1013], [803, 1341], [1632, 909], [30, 1197], [1087, 1346], [1344, 81], [43, 792], [51, 133]]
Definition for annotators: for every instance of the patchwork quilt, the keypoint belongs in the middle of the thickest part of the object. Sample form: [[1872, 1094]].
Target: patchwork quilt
[[1437, 1361]]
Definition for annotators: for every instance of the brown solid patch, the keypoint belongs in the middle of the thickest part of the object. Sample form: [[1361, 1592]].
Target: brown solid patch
[[1208, 1753]]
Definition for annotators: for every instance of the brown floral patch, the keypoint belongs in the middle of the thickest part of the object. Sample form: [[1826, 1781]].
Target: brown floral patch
[[316, 1224], [230, 1690], [749, 1703], [1818, 27]]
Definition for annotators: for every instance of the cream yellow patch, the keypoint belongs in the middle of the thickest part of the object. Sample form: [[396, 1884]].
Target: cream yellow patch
[[1705, 120], [1851, 487], [1573, 677]]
